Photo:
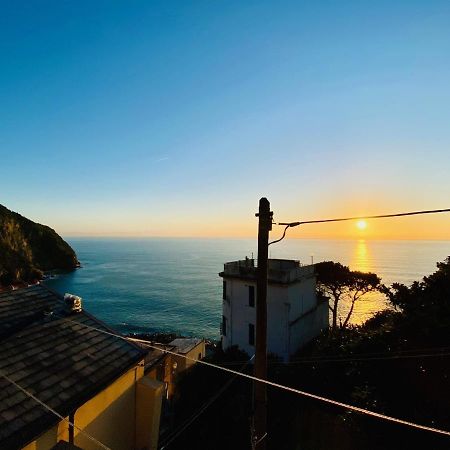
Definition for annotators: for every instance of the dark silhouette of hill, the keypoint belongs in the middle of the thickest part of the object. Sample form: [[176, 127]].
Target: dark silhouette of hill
[[28, 249]]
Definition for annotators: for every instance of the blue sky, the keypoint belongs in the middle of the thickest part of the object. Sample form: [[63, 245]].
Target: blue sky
[[173, 118]]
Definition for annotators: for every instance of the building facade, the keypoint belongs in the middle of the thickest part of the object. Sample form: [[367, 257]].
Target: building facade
[[190, 350], [295, 314], [74, 364]]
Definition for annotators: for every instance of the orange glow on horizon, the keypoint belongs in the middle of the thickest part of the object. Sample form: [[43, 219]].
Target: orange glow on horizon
[[243, 224]]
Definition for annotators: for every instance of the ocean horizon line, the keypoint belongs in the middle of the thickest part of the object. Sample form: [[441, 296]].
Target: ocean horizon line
[[136, 237]]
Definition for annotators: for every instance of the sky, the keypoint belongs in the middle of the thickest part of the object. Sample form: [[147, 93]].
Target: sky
[[172, 118]]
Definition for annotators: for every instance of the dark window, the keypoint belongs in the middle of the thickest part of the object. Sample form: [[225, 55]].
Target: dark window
[[251, 334], [224, 290], [199, 356], [251, 296], [224, 326]]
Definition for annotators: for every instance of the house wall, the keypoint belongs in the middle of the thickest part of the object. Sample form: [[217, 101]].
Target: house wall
[[302, 297], [198, 352], [49, 439], [309, 326], [150, 393], [113, 416], [239, 315], [278, 309], [110, 415], [286, 303], [164, 371]]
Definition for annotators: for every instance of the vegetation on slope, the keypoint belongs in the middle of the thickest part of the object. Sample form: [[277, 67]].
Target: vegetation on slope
[[27, 249]]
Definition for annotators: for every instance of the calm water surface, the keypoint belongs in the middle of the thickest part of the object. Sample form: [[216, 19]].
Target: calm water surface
[[158, 284]]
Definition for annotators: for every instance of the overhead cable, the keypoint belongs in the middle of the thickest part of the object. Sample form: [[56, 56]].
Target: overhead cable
[[281, 386], [413, 353], [313, 361], [50, 409], [342, 219], [200, 411]]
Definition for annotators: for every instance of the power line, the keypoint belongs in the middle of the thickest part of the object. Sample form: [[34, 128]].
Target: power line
[[380, 216], [366, 355], [380, 358], [343, 359], [284, 234], [48, 408], [200, 411], [281, 386], [400, 351], [342, 219]]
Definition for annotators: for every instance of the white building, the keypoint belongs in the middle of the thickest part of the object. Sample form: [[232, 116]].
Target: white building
[[295, 315]]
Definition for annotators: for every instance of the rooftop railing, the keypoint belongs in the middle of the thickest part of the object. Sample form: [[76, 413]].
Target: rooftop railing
[[279, 270]]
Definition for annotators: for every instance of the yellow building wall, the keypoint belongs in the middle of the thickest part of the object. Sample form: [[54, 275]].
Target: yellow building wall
[[150, 393], [116, 417], [110, 415], [164, 372], [50, 438], [198, 352]]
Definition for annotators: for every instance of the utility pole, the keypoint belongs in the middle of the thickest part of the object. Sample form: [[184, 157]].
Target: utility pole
[[260, 371]]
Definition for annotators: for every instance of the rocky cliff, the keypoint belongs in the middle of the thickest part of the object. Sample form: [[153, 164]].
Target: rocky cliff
[[27, 249]]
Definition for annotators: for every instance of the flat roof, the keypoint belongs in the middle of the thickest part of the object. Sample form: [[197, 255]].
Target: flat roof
[[185, 345]]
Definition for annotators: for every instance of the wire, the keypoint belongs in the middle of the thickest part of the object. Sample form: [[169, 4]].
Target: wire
[[48, 408], [200, 411], [259, 440], [285, 388], [380, 216], [365, 355], [282, 237], [342, 359], [381, 358], [411, 350]]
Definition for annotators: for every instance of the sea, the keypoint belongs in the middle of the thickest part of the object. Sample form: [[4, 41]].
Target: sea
[[151, 285]]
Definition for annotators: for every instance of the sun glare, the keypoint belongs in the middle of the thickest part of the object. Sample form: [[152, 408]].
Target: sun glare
[[361, 224]]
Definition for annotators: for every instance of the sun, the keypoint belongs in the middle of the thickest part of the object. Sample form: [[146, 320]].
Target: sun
[[361, 224]]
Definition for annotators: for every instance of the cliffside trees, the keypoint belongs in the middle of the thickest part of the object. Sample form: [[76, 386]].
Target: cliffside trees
[[429, 298], [27, 249], [341, 284]]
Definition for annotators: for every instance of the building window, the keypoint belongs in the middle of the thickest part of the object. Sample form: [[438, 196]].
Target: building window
[[224, 326], [224, 290], [251, 296], [251, 334]]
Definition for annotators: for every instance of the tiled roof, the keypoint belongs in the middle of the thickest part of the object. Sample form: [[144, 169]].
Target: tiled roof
[[185, 345], [23, 306], [55, 357]]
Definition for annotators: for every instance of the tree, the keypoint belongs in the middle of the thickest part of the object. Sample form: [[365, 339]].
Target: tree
[[429, 297], [340, 284]]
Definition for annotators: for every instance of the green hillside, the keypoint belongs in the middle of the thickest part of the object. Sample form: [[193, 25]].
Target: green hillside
[[27, 249]]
